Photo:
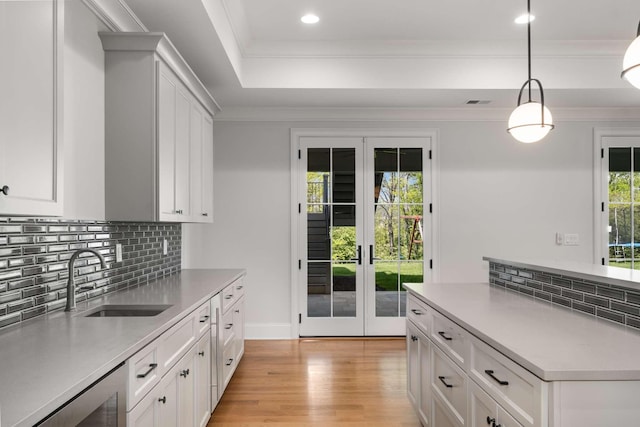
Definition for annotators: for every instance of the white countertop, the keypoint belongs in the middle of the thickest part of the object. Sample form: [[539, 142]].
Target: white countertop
[[609, 274], [552, 342], [46, 361]]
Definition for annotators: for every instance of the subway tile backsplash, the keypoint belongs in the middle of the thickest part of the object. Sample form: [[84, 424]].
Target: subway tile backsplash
[[34, 255], [610, 302]]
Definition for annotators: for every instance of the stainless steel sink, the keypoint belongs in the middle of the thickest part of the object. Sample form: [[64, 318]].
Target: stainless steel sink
[[126, 310]]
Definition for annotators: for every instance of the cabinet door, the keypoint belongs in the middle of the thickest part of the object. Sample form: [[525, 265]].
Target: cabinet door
[[168, 400], [482, 408], [207, 168], [196, 141], [146, 413], [424, 400], [238, 328], [167, 92], [31, 45], [413, 365], [186, 390], [203, 381], [183, 125]]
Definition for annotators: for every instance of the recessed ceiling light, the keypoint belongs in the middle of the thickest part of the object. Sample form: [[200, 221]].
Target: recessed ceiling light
[[523, 19], [310, 18]]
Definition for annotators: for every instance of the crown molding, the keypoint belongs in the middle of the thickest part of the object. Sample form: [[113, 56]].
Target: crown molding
[[270, 114], [115, 15]]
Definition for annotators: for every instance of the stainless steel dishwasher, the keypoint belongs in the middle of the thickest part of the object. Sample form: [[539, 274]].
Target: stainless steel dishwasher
[[216, 319], [102, 404]]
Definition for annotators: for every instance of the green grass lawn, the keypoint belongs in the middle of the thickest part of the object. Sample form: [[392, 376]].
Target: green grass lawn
[[386, 273]]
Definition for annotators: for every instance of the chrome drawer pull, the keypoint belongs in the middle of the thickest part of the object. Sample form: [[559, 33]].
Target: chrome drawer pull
[[152, 366], [444, 382], [499, 381], [204, 319], [416, 312], [442, 334]]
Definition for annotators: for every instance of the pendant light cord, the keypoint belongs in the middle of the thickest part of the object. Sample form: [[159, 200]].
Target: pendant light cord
[[529, 43]]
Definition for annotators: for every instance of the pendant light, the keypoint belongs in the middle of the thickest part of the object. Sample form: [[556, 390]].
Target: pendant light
[[631, 62], [531, 121]]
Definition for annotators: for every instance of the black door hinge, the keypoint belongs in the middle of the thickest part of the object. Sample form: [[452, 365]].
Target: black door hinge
[[299, 264], [430, 208], [602, 153], [602, 207], [299, 317], [299, 154], [431, 264], [299, 207], [602, 261], [430, 154]]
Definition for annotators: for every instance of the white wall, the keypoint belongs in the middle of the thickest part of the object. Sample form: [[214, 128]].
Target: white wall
[[497, 197], [83, 114]]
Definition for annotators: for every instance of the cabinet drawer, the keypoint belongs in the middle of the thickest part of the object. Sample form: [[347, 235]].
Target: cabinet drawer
[[204, 318], [451, 338], [228, 364], [517, 390], [142, 373], [174, 343], [238, 285], [228, 297], [227, 328], [418, 313], [449, 382]]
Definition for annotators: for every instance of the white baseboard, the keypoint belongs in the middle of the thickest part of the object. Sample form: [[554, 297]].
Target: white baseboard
[[268, 331]]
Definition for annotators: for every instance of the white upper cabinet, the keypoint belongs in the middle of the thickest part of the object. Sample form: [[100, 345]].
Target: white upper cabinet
[[159, 142], [31, 46]]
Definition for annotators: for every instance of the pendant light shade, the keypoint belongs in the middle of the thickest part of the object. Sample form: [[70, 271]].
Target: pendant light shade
[[530, 121], [526, 124], [631, 62]]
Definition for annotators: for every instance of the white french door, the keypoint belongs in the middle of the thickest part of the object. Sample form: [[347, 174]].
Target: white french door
[[362, 232]]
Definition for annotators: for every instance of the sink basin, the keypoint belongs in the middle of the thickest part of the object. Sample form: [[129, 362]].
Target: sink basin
[[126, 310]]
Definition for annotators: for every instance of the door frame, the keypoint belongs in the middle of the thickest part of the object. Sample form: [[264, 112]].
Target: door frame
[[295, 135], [600, 187]]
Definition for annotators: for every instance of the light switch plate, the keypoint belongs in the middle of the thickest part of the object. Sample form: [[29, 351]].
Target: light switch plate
[[571, 239], [165, 247], [559, 239], [118, 252]]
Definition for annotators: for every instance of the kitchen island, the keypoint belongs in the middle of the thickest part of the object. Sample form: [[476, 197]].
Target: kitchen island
[[498, 354], [49, 360]]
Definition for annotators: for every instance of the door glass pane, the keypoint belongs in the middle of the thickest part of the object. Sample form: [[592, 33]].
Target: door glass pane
[[344, 175], [411, 237], [634, 246], [619, 175], [387, 286], [344, 289], [386, 231], [319, 289], [411, 175], [622, 212]]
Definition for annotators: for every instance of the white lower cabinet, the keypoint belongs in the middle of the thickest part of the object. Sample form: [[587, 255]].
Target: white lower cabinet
[[484, 411], [203, 381]]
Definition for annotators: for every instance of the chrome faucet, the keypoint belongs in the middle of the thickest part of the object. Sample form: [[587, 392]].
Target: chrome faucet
[[71, 289]]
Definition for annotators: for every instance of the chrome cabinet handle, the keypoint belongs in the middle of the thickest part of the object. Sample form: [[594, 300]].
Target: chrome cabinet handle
[[5, 190], [442, 334], [442, 380], [493, 377], [184, 373], [163, 399], [204, 319], [152, 366]]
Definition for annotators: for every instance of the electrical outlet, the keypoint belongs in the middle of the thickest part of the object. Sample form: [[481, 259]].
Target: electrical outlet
[[559, 238], [118, 252], [571, 239], [165, 247]]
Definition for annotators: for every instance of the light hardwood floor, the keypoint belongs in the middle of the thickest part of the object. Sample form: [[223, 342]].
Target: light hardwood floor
[[318, 382]]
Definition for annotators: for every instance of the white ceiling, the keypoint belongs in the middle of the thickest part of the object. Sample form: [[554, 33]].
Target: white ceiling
[[399, 53]]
